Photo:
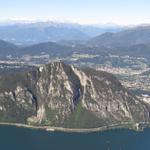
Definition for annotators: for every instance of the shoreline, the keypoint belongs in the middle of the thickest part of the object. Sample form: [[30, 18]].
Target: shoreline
[[72, 130]]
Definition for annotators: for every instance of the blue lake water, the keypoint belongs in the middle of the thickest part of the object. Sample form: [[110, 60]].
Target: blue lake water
[[13, 138]]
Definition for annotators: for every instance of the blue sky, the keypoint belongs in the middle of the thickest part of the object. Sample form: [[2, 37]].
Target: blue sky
[[80, 11]]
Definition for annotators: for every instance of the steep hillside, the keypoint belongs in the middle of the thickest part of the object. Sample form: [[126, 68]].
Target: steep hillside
[[7, 48], [128, 37], [51, 48], [65, 96]]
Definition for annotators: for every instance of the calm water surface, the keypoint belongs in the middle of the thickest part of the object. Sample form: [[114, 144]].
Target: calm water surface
[[13, 138]]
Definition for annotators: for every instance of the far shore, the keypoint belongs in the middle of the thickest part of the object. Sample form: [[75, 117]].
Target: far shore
[[71, 130]]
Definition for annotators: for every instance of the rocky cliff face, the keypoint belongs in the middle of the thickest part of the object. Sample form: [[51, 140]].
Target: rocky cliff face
[[61, 95]]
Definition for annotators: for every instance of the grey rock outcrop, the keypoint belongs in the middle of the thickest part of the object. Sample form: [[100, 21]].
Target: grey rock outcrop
[[61, 95]]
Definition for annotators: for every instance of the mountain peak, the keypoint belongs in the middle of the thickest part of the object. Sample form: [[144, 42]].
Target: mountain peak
[[62, 95]]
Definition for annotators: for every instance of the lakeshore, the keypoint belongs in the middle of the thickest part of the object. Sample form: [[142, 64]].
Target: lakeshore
[[125, 125]]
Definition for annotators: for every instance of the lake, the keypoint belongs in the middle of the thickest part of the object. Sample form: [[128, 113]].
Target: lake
[[14, 138]]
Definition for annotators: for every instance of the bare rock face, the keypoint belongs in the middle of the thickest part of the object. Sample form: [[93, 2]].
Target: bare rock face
[[104, 96], [61, 95]]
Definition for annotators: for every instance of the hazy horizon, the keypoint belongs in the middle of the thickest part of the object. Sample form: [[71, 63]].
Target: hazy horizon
[[129, 12], [22, 21]]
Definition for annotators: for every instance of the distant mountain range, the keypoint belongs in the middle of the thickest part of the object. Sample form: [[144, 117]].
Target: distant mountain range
[[132, 42], [33, 33]]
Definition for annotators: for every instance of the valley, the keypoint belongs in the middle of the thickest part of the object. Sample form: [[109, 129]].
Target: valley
[[131, 71], [73, 74]]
